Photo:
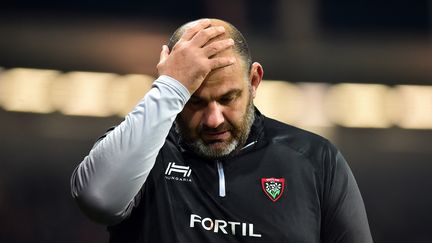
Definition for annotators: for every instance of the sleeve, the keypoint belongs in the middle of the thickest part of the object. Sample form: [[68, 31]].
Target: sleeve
[[106, 182], [344, 214]]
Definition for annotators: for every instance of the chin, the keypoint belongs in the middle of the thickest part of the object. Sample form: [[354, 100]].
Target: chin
[[218, 147], [215, 150]]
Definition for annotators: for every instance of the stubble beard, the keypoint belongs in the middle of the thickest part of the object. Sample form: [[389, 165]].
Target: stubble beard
[[222, 149]]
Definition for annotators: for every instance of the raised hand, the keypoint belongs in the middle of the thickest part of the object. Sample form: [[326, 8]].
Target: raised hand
[[193, 57]]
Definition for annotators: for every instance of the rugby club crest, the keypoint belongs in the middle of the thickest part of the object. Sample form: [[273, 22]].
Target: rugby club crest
[[273, 187]]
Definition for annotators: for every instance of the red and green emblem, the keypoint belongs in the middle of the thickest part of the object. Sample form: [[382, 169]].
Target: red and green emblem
[[273, 187]]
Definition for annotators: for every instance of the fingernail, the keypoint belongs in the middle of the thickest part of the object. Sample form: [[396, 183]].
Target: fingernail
[[220, 28], [231, 41]]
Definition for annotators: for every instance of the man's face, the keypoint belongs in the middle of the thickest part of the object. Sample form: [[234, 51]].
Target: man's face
[[218, 117]]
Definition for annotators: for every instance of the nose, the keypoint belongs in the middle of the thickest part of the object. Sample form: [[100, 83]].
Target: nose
[[213, 115]]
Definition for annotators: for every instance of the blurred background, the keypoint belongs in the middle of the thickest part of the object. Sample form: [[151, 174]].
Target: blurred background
[[358, 72]]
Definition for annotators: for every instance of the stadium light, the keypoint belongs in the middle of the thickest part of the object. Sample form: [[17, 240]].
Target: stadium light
[[358, 105], [27, 90], [412, 106], [308, 105]]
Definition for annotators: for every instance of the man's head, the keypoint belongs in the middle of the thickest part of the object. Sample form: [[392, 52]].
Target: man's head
[[217, 119], [240, 44]]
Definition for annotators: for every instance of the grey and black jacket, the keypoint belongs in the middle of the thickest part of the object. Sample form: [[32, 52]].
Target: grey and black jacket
[[284, 185]]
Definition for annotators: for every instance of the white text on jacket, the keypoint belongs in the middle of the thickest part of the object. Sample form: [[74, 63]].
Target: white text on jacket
[[226, 227]]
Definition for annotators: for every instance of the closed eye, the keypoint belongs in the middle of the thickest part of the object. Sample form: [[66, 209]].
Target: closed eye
[[196, 101], [226, 100], [229, 97]]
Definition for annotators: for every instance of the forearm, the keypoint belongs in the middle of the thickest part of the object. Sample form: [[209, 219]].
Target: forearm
[[107, 180]]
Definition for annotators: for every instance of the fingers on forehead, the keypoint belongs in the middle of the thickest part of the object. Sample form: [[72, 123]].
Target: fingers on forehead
[[204, 36], [218, 46], [221, 62], [194, 27]]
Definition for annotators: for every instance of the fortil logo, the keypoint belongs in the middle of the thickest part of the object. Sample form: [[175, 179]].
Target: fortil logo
[[178, 172]]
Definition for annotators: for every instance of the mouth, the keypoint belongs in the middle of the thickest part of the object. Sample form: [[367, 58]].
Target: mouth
[[215, 136]]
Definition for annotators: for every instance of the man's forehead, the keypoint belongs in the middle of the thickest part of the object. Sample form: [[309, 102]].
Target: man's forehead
[[220, 82], [209, 94], [237, 69], [235, 72]]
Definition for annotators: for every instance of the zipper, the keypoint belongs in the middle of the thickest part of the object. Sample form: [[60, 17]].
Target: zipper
[[222, 192], [221, 173], [248, 145]]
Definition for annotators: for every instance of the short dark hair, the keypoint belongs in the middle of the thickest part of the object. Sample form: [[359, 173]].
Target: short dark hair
[[240, 44]]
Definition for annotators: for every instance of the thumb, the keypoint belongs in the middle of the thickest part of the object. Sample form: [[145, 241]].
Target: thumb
[[164, 53]]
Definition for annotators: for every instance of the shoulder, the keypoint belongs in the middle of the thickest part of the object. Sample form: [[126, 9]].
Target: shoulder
[[308, 144]]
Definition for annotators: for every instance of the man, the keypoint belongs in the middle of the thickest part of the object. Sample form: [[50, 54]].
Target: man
[[196, 162]]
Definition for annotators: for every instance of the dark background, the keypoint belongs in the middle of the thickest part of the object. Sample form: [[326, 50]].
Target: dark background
[[363, 41]]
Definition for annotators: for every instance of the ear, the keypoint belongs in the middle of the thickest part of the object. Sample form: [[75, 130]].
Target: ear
[[255, 77]]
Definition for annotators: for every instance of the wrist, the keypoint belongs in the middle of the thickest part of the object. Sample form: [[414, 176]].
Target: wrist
[[176, 84]]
